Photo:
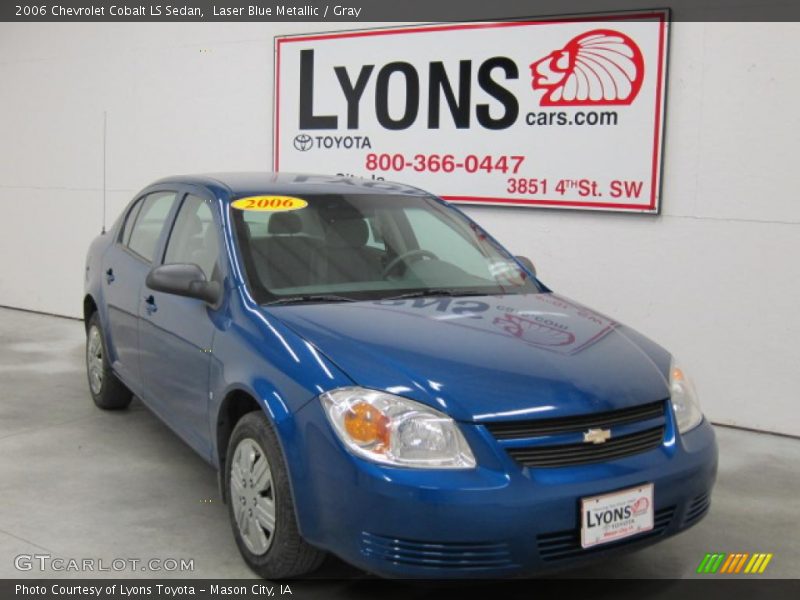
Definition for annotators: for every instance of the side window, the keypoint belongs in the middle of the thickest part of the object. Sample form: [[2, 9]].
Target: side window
[[149, 223], [194, 237], [130, 219]]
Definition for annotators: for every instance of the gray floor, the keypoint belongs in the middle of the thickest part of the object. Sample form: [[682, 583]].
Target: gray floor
[[76, 482]]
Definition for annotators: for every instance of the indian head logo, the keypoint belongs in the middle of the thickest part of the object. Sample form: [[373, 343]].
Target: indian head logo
[[640, 506], [599, 67]]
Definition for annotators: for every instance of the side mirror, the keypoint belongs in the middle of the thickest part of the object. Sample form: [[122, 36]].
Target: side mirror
[[527, 263], [183, 279]]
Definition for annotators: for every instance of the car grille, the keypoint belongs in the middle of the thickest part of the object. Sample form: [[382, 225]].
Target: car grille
[[697, 510], [565, 455], [440, 555], [538, 453], [509, 430], [563, 545]]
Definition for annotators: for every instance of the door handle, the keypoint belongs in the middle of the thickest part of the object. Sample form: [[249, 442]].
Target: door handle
[[150, 304], [110, 276]]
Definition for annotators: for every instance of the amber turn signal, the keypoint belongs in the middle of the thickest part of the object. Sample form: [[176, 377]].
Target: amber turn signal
[[365, 424]]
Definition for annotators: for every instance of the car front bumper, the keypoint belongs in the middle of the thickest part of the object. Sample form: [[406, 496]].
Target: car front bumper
[[496, 520]]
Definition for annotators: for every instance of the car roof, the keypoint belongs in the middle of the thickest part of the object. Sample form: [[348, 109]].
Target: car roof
[[240, 184]]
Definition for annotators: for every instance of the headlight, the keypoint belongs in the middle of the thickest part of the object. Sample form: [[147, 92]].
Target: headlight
[[684, 399], [391, 430]]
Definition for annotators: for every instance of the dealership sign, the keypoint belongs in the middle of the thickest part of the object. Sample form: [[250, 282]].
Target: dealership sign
[[562, 113]]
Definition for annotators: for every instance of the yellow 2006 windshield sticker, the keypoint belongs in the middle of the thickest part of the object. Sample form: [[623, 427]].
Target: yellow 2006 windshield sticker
[[270, 203]]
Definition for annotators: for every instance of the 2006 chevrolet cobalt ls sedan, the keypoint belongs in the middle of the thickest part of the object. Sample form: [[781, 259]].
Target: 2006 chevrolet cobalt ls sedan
[[375, 376]]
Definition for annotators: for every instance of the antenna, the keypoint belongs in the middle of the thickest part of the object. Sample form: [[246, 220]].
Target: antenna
[[105, 120]]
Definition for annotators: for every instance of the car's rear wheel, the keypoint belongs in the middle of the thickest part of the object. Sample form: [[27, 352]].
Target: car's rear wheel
[[108, 392], [260, 503]]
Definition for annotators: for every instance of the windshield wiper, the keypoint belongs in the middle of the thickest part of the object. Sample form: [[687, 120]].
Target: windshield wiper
[[311, 298], [434, 292]]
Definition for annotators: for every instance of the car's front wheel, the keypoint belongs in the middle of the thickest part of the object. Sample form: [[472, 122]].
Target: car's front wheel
[[260, 503], [108, 392]]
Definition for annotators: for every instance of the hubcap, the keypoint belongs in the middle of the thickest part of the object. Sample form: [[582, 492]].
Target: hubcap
[[253, 496], [94, 360]]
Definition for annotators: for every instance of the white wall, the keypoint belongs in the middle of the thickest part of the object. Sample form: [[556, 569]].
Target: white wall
[[715, 278]]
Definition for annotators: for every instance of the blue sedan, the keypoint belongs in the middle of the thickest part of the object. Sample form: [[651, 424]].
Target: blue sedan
[[375, 376]]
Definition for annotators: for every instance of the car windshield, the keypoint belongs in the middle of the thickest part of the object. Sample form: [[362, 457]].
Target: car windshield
[[341, 247]]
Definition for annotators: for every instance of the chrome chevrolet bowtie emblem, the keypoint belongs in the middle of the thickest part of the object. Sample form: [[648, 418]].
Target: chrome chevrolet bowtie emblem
[[596, 436]]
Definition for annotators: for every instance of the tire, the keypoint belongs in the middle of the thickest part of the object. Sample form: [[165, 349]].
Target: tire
[[107, 391], [259, 496]]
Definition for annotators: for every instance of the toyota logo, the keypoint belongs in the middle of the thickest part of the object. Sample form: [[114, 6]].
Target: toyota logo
[[303, 142]]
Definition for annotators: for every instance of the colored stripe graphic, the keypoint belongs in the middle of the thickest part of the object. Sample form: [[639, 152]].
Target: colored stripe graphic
[[718, 562], [743, 557], [758, 563], [734, 563], [701, 568], [765, 563], [711, 562], [730, 565], [727, 566], [753, 563]]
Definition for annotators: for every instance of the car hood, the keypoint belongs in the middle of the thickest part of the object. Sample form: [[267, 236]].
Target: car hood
[[489, 357]]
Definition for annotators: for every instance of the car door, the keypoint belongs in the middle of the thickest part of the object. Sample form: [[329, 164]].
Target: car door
[[125, 267], [176, 333]]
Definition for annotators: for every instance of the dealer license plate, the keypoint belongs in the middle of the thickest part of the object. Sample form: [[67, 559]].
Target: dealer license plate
[[618, 515]]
